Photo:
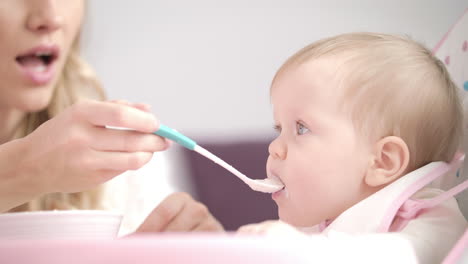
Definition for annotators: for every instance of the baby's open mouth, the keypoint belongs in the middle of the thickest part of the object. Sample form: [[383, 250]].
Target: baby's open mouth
[[276, 178]]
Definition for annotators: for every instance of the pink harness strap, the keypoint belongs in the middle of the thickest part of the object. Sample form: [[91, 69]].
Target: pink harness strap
[[324, 225], [413, 208]]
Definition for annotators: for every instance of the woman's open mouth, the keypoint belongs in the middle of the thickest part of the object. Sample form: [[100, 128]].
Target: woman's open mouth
[[38, 63]]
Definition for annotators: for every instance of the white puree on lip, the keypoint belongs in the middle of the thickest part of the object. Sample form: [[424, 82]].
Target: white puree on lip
[[266, 185]]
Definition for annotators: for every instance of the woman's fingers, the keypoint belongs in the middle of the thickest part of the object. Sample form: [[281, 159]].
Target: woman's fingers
[[141, 106], [105, 175], [116, 115], [209, 225], [106, 139], [117, 161], [74, 151], [164, 213], [188, 218]]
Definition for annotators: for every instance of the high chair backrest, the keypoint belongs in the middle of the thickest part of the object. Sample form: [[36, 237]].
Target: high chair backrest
[[453, 51]]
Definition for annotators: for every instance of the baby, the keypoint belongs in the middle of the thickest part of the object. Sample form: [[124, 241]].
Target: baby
[[362, 119]]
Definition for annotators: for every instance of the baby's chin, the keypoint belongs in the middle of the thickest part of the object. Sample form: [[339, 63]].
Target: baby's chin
[[298, 221]]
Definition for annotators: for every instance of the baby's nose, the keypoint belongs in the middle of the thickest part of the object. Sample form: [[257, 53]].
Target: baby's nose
[[278, 149]]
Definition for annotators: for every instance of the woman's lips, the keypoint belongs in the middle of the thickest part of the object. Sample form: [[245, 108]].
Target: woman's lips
[[38, 64]]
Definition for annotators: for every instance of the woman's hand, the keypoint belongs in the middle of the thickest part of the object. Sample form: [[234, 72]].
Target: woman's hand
[[74, 151], [179, 212]]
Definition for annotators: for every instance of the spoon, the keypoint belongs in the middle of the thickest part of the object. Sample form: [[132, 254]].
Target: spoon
[[267, 185]]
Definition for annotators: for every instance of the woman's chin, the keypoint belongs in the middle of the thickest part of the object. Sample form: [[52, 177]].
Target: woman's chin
[[39, 101], [35, 105]]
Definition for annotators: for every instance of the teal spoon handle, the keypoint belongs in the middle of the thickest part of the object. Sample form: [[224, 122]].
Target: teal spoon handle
[[167, 132]]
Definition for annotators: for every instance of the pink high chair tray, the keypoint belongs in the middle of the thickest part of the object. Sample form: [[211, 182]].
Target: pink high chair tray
[[197, 248], [172, 248]]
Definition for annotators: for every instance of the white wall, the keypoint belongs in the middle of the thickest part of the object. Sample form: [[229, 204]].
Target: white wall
[[206, 65]]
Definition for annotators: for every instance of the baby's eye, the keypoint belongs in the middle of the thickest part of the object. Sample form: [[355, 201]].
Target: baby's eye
[[301, 129], [277, 128]]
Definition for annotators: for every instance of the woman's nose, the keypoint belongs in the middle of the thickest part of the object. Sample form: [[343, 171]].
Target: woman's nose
[[44, 16], [278, 149]]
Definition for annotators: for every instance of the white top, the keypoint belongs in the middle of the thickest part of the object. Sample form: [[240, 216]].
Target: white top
[[136, 193]]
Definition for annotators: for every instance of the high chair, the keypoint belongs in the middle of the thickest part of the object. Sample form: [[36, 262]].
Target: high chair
[[453, 51]]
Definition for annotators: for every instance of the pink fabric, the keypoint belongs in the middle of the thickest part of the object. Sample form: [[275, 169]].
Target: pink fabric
[[324, 225], [457, 251], [411, 190], [406, 213], [410, 208], [398, 224], [160, 248]]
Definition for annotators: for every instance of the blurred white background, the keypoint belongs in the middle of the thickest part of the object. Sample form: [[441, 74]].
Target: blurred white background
[[205, 66]]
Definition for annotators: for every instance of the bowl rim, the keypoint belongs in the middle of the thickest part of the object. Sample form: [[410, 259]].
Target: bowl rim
[[62, 213]]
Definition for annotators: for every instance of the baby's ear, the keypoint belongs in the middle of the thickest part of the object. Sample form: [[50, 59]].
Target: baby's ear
[[390, 161]]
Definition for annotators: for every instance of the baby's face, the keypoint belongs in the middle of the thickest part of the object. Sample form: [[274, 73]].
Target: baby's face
[[317, 155]]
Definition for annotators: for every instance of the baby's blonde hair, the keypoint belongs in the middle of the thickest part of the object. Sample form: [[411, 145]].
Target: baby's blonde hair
[[77, 80], [394, 86]]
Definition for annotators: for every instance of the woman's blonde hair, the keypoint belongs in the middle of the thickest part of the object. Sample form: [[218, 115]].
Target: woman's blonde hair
[[76, 81], [393, 86]]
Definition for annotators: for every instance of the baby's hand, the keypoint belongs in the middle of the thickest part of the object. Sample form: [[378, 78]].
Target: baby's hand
[[270, 228]]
